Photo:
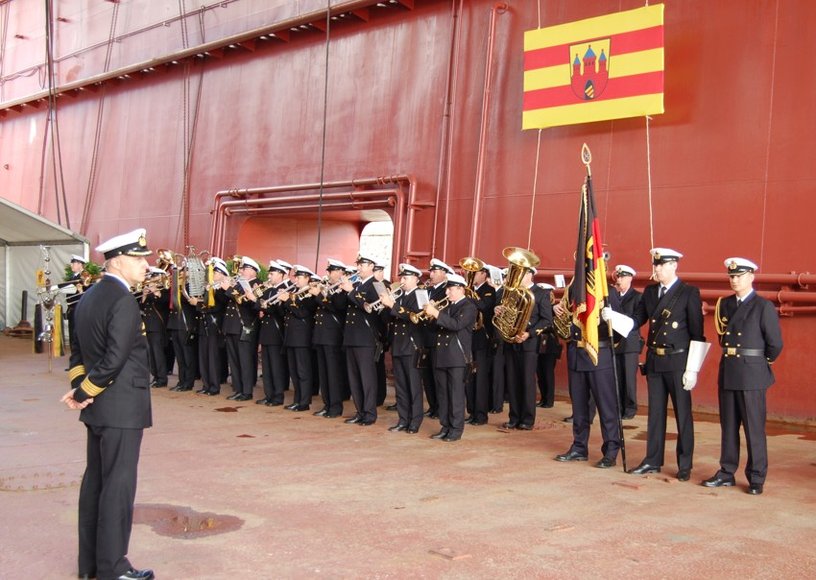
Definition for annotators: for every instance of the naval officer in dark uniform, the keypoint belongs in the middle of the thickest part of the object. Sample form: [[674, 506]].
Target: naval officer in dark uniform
[[270, 336], [751, 340], [110, 378], [628, 348], [478, 384], [362, 339], [453, 356], [676, 350], [211, 308], [155, 312], [438, 272], [241, 330], [299, 306], [405, 350]]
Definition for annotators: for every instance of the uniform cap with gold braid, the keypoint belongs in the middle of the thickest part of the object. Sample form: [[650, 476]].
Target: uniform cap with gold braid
[[456, 280], [80, 259], [275, 265], [738, 266], [409, 270], [246, 261], [624, 270], [303, 271], [285, 264], [130, 244], [335, 265], [437, 264], [220, 265], [663, 255]]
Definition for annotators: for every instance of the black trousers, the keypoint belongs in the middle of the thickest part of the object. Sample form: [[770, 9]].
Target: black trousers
[[426, 375], [186, 357], [209, 361], [301, 371], [545, 372], [598, 385], [519, 370], [663, 386], [746, 408], [330, 368], [381, 380], [362, 375], [478, 386], [156, 345], [497, 393], [275, 372], [408, 389], [106, 499], [627, 365], [243, 363], [450, 388]]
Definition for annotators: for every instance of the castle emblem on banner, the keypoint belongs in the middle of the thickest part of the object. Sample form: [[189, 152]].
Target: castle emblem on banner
[[590, 74]]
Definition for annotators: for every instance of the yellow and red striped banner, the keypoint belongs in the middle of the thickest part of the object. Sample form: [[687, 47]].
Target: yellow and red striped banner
[[607, 67]]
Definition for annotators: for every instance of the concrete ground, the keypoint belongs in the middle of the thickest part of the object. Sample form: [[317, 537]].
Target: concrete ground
[[232, 490]]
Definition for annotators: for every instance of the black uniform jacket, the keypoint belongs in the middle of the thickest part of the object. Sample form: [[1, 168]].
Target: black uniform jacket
[[406, 337], [240, 315], [211, 318], [672, 325], [629, 303], [541, 318], [299, 320], [109, 358], [483, 337], [577, 357], [362, 328], [272, 323], [754, 325], [330, 319], [156, 311], [454, 346]]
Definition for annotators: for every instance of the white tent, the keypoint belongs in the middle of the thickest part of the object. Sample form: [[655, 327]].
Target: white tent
[[22, 235]]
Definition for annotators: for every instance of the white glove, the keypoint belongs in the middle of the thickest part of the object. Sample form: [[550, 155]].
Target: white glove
[[606, 313], [689, 380], [621, 323]]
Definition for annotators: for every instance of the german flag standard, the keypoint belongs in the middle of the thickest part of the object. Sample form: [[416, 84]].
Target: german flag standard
[[607, 67]]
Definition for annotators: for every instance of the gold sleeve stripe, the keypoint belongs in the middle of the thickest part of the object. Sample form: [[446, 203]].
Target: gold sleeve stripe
[[90, 388], [75, 372]]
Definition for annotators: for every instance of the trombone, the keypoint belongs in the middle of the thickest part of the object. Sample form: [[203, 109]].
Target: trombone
[[423, 316], [377, 306]]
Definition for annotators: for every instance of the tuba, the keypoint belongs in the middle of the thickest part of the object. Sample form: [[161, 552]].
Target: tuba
[[517, 302], [472, 265], [563, 323]]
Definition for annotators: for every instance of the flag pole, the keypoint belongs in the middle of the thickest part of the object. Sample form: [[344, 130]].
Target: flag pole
[[586, 159]]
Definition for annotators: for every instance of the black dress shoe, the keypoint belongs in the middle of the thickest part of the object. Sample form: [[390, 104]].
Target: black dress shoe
[[567, 419], [755, 489], [398, 427], [412, 430], [321, 413], [571, 456], [273, 403], [441, 435], [365, 423], [261, 401], [451, 438], [184, 389], [645, 468], [510, 425], [231, 397], [175, 389], [718, 481], [331, 415], [683, 474], [86, 575], [428, 413], [158, 385], [477, 422], [300, 408], [243, 398], [434, 415], [606, 463], [290, 407], [201, 391], [355, 419], [134, 574], [524, 427], [212, 393], [391, 408]]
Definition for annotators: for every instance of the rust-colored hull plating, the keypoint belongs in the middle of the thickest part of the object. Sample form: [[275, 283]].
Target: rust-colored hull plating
[[728, 171]]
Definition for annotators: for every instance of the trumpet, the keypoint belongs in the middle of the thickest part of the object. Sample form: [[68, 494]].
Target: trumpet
[[377, 305], [422, 316], [276, 298]]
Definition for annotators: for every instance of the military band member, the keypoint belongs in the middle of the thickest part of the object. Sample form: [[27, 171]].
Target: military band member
[[362, 339], [587, 379], [438, 271], [548, 354], [75, 284], [628, 349], [676, 349], [751, 341], [182, 325], [241, 330], [405, 350], [110, 375], [478, 384], [274, 364], [453, 356], [211, 309], [300, 306], [155, 312], [521, 357], [330, 319]]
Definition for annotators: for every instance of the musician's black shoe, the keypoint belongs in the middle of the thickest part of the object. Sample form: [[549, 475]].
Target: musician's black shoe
[[645, 468], [571, 456], [683, 474], [719, 481], [755, 489], [441, 435], [606, 463]]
